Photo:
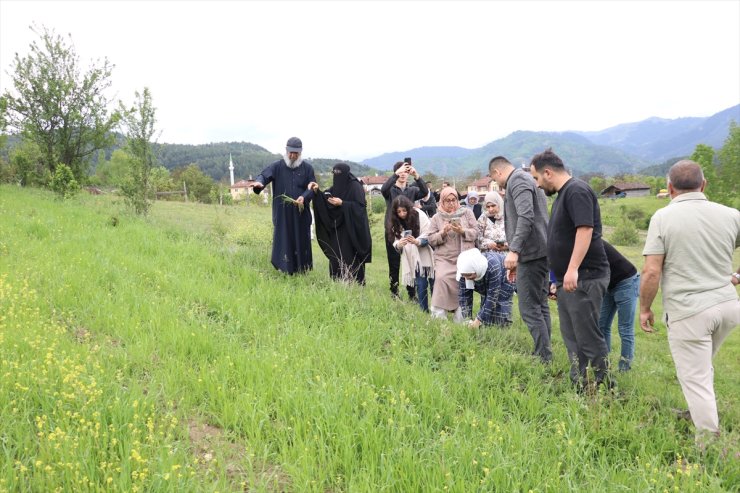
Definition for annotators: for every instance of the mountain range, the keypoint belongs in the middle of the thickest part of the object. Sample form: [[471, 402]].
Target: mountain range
[[625, 148]]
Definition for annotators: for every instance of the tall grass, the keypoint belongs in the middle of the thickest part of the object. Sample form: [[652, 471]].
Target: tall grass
[[166, 354]]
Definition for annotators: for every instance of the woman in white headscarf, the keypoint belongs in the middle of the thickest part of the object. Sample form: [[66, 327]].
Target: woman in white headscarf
[[485, 274], [452, 230], [491, 233], [472, 202]]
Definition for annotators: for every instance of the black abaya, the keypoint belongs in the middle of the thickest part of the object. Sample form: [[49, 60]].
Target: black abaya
[[343, 232]]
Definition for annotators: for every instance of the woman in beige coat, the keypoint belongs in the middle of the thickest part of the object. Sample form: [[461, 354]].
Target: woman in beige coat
[[453, 229]]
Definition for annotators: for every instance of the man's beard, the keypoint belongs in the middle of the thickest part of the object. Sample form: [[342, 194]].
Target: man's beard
[[293, 164]]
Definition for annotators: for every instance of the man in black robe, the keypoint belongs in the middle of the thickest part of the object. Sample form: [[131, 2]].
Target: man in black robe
[[290, 176], [342, 226]]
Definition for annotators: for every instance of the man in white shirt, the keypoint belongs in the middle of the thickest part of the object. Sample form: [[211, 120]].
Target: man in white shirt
[[689, 251]]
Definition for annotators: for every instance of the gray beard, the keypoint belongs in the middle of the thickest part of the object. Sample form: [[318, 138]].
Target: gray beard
[[292, 164]]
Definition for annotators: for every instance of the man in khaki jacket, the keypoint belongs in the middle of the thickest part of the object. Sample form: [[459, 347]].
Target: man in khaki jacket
[[689, 251]]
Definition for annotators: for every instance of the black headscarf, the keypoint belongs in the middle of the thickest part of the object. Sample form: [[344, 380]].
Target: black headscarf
[[342, 184], [348, 219]]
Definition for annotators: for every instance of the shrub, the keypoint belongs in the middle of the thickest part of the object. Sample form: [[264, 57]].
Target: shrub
[[377, 204], [63, 182], [638, 217], [220, 195], [25, 167], [625, 234], [219, 229]]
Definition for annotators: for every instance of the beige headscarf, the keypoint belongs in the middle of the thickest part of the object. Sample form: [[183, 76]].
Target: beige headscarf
[[446, 191], [495, 198]]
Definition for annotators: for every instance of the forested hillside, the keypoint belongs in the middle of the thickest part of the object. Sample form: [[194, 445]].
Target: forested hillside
[[212, 159], [249, 159]]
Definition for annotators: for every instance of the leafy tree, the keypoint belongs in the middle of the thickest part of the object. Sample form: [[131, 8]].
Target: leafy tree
[[704, 156], [160, 180], [63, 111], [629, 178], [6, 174], [729, 167], [472, 176], [113, 173], [597, 183], [431, 178], [199, 185], [656, 183], [139, 121], [3, 122]]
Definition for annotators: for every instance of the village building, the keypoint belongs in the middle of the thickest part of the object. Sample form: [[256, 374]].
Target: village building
[[240, 189], [372, 184], [483, 186], [625, 189], [243, 188]]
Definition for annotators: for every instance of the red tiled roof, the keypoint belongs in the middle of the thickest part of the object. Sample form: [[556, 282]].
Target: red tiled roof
[[481, 182], [374, 180], [241, 184]]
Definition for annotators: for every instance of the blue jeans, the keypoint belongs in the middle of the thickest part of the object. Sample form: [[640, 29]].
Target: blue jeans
[[622, 300], [424, 285]]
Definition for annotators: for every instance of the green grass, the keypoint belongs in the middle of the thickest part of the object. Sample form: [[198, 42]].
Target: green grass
[[166, 354]]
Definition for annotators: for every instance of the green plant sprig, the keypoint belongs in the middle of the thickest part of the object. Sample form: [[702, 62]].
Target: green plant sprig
[[290, 200]]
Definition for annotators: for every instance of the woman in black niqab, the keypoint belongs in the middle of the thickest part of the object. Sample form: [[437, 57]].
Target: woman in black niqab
[[342, 226]]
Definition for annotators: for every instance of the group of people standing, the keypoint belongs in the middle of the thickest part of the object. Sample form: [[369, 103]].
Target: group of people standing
[[503, 246], [428, 250], [342, 226]]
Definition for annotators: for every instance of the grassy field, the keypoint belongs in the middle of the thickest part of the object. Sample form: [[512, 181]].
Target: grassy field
[[166, 354]]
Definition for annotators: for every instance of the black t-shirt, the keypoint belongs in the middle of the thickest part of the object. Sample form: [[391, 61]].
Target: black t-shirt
[[576, 205], [620, 267]]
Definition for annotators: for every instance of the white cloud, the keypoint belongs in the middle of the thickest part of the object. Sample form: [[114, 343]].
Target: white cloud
[[356, 79]]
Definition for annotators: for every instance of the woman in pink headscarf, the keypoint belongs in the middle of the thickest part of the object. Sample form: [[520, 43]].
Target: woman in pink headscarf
[[453, 229]]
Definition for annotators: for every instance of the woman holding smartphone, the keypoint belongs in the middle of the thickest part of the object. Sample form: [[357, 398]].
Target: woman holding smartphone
[[491, 233], [452, 230], [342, 226], [406, 229]]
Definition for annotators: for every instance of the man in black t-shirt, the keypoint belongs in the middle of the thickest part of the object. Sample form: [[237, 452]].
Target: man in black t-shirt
[[576, 256]]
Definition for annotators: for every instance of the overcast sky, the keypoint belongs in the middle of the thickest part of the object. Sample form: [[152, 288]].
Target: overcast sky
[[356, 79]]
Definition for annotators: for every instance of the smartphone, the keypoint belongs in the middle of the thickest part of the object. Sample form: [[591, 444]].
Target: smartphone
[[454, 220], [407, 160], [405, 233], [500, 243], [328, 195]]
